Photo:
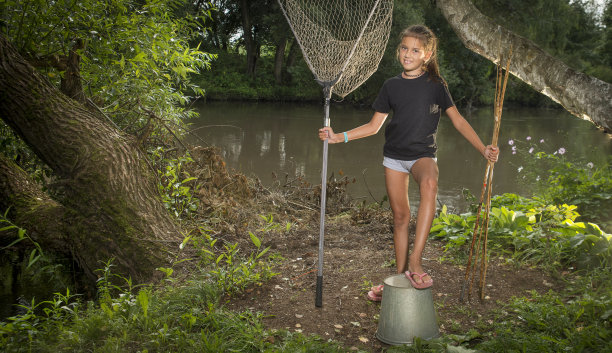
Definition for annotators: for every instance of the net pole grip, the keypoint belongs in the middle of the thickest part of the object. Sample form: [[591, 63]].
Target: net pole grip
[[319, 295]]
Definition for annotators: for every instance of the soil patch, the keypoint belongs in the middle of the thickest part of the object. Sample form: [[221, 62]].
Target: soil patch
[[356, 257]]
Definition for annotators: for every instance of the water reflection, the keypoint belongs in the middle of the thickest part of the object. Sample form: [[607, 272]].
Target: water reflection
[[267, 138]]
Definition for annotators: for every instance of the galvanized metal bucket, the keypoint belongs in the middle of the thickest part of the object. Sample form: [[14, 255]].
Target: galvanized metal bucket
[[406, 313]]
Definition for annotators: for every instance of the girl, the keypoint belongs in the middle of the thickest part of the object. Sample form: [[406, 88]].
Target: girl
[[417, 98]]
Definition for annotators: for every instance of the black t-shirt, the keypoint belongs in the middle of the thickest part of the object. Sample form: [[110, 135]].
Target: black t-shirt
[[417, 105]]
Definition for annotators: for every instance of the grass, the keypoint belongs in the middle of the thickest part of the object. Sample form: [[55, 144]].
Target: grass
[[177, 317]]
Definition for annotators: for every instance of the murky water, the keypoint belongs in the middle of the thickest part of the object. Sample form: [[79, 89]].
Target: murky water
[[265, 138]]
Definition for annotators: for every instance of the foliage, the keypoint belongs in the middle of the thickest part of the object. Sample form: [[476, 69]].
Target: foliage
[[569, 31], [532, 231], [547, 323], [586, 184], [39, 271], [227, 268], [227, 81], [175, 184], [136, 58], [183, 315]]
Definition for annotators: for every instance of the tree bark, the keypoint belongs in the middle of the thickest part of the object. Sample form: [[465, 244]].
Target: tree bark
[[30, 208], [71, 84], [279, 58], [584, 96], [251, 54], [108, 206]]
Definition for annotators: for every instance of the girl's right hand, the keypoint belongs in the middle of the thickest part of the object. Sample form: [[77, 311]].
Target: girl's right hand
[[326, 133]]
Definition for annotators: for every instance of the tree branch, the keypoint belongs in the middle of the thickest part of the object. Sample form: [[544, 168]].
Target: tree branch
[[30, 208], [584, 96]]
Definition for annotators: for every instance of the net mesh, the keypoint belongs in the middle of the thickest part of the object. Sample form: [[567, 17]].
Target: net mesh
[[340, 36]]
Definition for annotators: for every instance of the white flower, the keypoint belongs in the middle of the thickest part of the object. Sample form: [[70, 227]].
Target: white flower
[[528, 138], [520, 168], [511, 142], [531, 150], [590, 165], [561, 150]]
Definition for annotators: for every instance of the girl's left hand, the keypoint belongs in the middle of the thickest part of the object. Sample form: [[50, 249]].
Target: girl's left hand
[[491, 153]]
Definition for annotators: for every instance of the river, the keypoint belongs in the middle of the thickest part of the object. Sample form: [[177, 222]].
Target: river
[[263, 139]]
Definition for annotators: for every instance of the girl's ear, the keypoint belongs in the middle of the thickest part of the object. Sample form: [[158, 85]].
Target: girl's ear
[[428, 56]]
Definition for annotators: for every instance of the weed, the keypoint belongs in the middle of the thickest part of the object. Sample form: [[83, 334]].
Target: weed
[[175, 184]]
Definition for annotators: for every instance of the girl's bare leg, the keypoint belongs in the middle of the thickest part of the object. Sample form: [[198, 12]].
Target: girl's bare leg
[[397, 189], [425, 173]]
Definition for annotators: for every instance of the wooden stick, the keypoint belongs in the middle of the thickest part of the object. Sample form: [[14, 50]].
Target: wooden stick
[[469, 264], [501, 82]]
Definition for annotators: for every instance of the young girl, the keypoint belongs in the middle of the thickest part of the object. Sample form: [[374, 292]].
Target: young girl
[[417, 98]]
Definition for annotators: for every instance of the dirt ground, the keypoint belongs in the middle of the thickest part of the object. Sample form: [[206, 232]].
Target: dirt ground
[[356, 257], [358, 253]]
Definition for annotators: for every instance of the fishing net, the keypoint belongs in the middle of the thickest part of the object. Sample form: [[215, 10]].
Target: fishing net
[[342, 42], [340, 37]]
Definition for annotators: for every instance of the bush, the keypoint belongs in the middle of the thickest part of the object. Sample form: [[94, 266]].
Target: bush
[[529, 230]]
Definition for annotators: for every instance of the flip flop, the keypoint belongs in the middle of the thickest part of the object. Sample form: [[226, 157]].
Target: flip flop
[[423, 284], [378, 290], [373, 297]]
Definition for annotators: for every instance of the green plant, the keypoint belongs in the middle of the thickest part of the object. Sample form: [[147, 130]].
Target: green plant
[[587, 245], [537, 233], [548, 323], [234, 273], [270, 225], [455, 230], [231, 271], [175, 184], [36, 253], [586, 184], [38, 319]]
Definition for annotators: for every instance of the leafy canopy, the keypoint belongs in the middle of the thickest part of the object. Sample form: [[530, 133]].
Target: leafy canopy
[[136, 60]]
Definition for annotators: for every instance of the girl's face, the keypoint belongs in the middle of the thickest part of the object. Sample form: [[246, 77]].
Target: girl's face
[[412, 55]]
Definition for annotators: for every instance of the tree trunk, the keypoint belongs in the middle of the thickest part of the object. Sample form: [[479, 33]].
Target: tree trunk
[[279, 57], [584, 96], [251, 55], [108, 206]]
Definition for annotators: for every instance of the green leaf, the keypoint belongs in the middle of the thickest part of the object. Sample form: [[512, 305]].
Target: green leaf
[[255, 240], [33, 259]]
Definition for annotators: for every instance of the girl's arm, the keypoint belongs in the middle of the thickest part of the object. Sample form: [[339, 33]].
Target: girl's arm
[[364, 130], [489, 152]]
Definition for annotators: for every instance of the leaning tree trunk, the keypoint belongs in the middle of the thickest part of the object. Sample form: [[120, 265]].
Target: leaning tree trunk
[[108, 205], [584, 96]]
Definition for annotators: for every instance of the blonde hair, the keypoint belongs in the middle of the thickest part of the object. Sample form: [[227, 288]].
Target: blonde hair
[[430, 41]]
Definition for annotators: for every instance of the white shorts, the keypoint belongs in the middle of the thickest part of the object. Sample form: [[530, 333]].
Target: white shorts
[[399, 165]]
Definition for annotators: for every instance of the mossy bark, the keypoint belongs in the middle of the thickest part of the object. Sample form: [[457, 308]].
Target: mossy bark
[[110, 207]]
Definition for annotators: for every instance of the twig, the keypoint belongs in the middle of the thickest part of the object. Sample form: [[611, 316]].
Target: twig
[[366, 184]]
